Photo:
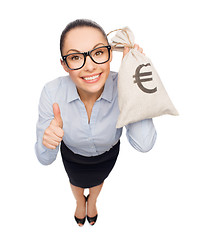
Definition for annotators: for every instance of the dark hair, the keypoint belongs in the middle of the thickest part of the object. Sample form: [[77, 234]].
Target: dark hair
[[80, 23]]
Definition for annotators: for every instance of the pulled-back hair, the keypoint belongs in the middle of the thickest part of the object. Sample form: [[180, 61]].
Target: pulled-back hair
[[80, 23]]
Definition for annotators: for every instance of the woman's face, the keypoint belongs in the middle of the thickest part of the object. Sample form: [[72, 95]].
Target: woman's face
[[91, 77]]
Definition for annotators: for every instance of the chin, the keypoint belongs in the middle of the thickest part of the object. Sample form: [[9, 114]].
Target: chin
[[94, 88]]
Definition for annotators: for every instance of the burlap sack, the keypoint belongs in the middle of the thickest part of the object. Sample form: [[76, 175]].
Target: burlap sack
[[141, 94]]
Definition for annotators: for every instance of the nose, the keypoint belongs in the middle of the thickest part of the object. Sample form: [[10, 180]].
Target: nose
[[89, 65]]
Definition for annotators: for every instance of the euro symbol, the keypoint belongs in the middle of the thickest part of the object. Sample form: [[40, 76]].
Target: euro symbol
[[139, 80]]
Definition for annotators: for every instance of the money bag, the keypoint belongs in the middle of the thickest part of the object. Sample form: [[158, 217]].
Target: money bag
[[141, 94]]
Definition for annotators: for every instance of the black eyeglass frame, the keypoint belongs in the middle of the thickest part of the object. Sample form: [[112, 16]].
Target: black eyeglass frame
[[85, 54]]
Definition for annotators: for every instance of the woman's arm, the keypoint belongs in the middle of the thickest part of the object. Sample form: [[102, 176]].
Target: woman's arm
[[141, 135], [45, 155]]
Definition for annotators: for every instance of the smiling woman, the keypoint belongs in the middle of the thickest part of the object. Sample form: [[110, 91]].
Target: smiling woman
[[81, 67], [79, 112]]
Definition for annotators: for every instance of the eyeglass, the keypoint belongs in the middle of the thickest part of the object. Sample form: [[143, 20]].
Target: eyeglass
[[98, 55]]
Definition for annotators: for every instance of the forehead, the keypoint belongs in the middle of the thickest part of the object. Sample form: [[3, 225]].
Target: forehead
[[83, 38]]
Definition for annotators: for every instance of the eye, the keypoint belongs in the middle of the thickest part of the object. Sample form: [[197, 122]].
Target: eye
[[75, 58], [98, 53]]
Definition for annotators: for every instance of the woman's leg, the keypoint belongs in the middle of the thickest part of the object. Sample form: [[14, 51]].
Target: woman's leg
[[91, 204], [80, 200]]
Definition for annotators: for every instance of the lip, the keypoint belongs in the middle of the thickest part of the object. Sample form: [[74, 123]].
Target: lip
[[94, 80]]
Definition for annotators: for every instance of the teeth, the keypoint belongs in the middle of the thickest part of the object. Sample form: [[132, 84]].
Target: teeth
[[91, 78]]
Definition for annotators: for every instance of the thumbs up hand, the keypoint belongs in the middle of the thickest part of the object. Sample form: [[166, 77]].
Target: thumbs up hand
[[54, 133]]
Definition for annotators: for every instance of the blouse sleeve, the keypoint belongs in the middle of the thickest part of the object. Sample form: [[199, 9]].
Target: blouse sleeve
[[141, 135], [45, 155]]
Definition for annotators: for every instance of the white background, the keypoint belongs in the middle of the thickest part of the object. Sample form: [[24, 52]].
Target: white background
[[155, 195]]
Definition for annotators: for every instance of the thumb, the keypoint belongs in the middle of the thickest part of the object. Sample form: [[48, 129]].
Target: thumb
[[57, 115]]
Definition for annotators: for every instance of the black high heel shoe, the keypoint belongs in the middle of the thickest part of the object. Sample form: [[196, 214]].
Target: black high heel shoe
[[81, 220], [91, 219]]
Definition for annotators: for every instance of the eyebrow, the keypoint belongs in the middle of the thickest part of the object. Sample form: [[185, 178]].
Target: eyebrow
[[75, 50]]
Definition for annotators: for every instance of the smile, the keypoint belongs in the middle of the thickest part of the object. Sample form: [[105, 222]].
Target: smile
[[92, 79]]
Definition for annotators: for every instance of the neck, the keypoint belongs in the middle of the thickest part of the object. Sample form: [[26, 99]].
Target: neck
[[89, 97]]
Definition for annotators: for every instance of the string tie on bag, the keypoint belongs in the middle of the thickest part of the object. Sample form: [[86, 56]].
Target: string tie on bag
[[130, 45]]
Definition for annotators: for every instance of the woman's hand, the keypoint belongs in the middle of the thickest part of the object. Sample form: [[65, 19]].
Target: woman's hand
[[127, 49], [54, 133]]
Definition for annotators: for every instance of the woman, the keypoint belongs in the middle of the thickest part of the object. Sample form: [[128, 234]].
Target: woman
[[79, 112]]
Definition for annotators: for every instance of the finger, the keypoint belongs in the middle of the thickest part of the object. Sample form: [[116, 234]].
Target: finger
[[52, 139], [52, 142], [140, 50], [49, 145], [125, 51], [51, 135], [57, 115], [59, 132], [136, 46]]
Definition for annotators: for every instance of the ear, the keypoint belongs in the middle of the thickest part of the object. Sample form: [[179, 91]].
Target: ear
[[64, 65], [111, 55]]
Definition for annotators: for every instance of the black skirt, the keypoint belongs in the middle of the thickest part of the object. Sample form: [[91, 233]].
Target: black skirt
[[87, 172]]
